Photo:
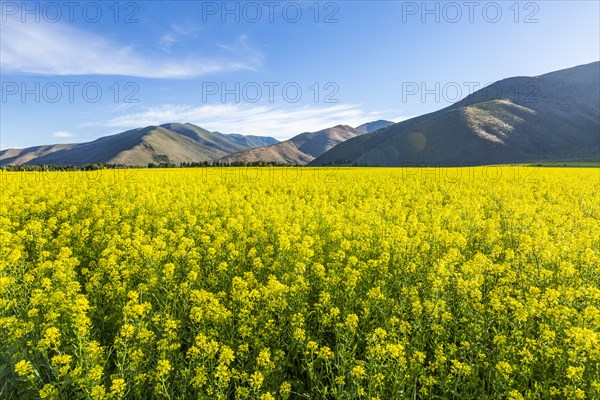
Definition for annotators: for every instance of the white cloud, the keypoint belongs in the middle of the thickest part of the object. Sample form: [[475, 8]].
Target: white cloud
[[279, 122], [177, 32], [63, 134], [58, 49], [167, 40]]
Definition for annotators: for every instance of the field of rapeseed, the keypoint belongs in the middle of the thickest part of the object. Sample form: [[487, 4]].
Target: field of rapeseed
[[300, 284]]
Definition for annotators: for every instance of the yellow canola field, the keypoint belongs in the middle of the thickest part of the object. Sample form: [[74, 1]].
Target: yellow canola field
[[301, 283]]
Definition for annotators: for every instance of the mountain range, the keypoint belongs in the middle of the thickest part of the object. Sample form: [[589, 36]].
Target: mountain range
[[177, 143], [552, 117], [305, 147], [172, 143]]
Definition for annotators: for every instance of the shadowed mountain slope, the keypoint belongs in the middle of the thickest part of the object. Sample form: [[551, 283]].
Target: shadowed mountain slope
[[302, 148], [552, 117]]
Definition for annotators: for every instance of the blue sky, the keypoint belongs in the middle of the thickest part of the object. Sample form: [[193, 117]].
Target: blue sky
[[72, 72]]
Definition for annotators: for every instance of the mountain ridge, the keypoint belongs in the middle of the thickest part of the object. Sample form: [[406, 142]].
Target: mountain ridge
[[554, 116], [171, 142], [304, 147], [550, 117]]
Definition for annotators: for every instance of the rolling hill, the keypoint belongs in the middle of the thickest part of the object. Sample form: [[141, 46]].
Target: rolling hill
[[173, 142], [305, 147], [552, 117]]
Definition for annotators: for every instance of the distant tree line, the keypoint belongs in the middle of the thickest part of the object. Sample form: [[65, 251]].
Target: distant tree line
[[66, 167], [99, 166], [217, 163]]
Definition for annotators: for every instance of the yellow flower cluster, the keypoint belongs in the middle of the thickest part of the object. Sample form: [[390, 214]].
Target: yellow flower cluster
[[277, 283]]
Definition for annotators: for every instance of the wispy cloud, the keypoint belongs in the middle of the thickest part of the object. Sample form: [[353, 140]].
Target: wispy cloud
[[179, 32], [59, 49], [167, 40], [62, 134], [279, 122]]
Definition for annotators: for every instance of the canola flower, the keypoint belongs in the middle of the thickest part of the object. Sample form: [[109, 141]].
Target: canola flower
[[319, 283]]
